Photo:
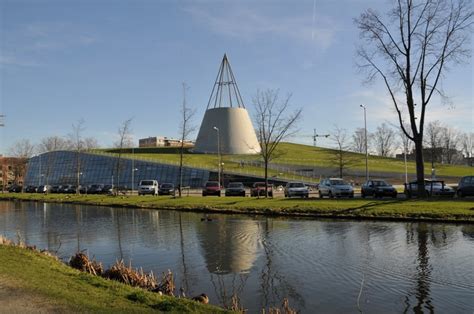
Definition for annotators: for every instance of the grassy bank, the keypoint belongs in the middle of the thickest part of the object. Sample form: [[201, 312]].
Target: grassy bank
[[293, 154], [34, 279], [443, 210]]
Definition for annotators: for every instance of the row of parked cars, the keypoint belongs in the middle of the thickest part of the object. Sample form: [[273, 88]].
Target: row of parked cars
[[337, 187], [332, 187], [70, 188]]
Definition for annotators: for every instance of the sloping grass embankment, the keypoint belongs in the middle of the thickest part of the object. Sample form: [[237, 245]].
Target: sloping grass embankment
[[34, 279], [453, 210]]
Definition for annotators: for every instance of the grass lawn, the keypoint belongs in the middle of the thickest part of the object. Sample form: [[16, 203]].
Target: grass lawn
[[293, 154], [412, 209], [33, 277]]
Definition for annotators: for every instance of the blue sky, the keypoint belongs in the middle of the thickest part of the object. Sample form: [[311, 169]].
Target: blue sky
[[106, 61]]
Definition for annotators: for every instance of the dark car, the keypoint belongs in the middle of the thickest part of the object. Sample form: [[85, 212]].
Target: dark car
[[69, 188], [378, 188], [95, 189], [258, 189], [43, 189], [211, 188], [84, 189], [466, 187], [166, 189], [30, 189], [108, 189], [432, 188], [56, 188], [235, 189], [15, 188]]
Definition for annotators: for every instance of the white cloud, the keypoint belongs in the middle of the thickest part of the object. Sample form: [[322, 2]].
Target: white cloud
[[24, 44], [15, 61], [250, 25]]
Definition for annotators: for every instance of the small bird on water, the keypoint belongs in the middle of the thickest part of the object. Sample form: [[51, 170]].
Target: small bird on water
[[202, 298], [206, 218]]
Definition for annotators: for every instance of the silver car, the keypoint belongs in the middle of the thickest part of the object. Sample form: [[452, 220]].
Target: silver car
[[335, 187], [296, 189]]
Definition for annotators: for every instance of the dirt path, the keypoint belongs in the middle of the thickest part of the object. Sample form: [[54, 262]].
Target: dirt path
[[13, 299]]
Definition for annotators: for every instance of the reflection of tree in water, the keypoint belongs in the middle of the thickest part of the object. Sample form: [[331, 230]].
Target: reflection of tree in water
[[78, 216], [468, 232], [184, 282], [275, 286], [237, 285], [423, 274]]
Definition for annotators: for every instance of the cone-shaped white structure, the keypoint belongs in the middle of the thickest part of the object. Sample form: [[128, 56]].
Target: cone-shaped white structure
[[226, 120]]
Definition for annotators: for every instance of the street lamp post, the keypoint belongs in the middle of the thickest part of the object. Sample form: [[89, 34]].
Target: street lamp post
[[219, 155], [133, 178], [366, 149]]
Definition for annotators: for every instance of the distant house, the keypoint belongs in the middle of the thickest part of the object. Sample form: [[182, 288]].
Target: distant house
[[12, 171], [162, 141]]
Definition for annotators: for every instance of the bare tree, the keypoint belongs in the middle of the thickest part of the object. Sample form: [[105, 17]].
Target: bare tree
[[467, 143], [52, 143], [124, 141], [90, 143], [274, 124], [406, 145], [186, 129], [410, 51], [22, 150], [341, 154], [434, 131], [450, 139], [358, 140], [384, 140], [77, 145]]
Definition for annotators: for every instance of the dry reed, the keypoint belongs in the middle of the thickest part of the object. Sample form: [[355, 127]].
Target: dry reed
[[134, 277], [285, 309], [166, 285], [82, 262]]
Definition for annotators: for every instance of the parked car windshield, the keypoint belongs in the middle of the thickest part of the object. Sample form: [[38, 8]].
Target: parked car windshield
[[338, 182], [167, 186], [236, 185], [380, 183], [296, 185], [209, 184], [147, 182]]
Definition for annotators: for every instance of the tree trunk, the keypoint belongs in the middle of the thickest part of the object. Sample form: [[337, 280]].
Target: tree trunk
[[420, 167], [181, 167], [266, 178]]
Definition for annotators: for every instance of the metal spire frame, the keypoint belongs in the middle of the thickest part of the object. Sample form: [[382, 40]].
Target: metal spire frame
[[225, 86]]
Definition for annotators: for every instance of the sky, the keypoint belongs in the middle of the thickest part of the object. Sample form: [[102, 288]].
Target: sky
[[110, 60]]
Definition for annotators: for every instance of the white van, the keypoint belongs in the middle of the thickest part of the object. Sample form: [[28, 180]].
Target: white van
[[148, 187]]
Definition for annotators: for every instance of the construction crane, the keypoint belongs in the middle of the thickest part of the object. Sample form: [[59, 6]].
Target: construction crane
[[316, 135]]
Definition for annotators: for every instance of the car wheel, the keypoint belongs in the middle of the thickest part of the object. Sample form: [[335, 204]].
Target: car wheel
[[320, 194], [460, 194], [243, 194], [219, 194], [203, 194], [362, 194], [330, 195]]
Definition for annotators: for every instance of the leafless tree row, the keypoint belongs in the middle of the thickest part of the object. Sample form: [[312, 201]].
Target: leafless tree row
[[442, 143]]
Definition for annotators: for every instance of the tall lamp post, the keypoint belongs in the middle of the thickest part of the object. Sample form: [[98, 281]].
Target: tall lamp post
[[133, 179], [366, 150], [219, 155]]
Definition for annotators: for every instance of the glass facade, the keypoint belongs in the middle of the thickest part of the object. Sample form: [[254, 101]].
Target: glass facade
[[61, 168]]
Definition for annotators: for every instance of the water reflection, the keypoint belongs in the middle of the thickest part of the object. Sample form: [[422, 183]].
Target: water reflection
[[318, 265]]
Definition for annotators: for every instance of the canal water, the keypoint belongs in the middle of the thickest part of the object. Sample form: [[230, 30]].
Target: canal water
[[321, 266]]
